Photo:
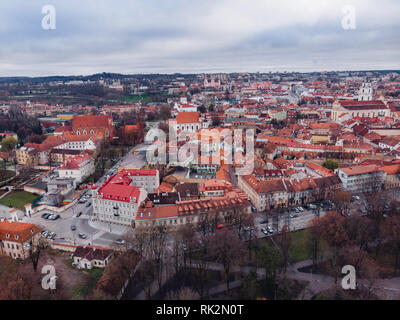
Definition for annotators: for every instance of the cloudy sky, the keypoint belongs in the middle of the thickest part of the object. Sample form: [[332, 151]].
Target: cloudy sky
[[167, 36]]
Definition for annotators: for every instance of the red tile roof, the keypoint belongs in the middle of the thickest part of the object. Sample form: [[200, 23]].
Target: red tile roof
[[17, 231], [187, 117], [90, 121]]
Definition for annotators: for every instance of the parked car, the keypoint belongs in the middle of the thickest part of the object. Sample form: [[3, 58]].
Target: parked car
[[56, 216], [270, 230], [296, 210], [263, 221], [78, 214], [265, 231], [88, 204], [73, 227], [120, 241], [51, 235], [82, 236], [293, 215], [44, 234], [46, 215], [301, 209]]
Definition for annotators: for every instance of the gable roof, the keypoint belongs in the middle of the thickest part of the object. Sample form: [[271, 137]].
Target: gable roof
[[187, 117], [90, 121], [17, 231], [92, 253]]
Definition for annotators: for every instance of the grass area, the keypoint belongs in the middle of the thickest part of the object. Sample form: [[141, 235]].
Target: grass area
[[135, 98], [299, 250], [18, 199], [81, 291]]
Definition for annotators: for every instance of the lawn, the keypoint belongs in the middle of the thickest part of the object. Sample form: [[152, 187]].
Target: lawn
[[135, 98], [299, 250], [81, 291], [18, 199]]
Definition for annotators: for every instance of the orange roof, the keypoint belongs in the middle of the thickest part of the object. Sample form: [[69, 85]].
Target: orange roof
[[355, 170], [164, 187], [323, 125], [393, 169], [187, 117], [17, 231], [157, 212], [90, 121]]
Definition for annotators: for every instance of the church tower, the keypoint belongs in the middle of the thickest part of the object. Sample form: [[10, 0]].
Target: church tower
[[365, 92]]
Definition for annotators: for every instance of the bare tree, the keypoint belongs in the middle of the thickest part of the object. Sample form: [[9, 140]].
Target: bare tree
[[157, 246], [202, 248], [35, 251], [228, 250], [284, 241]]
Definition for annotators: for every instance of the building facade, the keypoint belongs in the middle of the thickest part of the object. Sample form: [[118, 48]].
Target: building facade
[[17, 239], [117, 200]]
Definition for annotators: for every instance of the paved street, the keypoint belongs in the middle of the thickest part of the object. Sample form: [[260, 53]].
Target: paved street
[[298, 223], [97, 233]]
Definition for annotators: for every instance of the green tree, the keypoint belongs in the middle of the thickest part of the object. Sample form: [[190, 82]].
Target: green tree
[[8, 144], [211, 107], [331, 164]]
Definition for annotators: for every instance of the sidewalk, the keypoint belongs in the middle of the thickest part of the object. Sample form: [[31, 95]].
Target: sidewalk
[[115, 229]]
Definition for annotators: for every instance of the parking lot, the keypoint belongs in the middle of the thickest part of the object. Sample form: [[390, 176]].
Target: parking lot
[[294, 219]]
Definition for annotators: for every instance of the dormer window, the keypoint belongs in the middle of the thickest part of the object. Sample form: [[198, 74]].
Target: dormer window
[[16, 236], [8, 235]]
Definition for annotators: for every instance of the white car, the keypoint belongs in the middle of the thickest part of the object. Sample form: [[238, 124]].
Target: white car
[[270, 230], [264, 230], [301, 209]]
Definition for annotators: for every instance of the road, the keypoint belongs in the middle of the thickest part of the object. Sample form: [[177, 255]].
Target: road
[[298, 223], [97, 234]]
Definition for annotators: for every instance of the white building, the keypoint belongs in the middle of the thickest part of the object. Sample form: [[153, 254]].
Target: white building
[[147, 179], [79, 142], [79, 167], [118, 199], [365, 92], [360, 179], [89, 257], [188, 121]]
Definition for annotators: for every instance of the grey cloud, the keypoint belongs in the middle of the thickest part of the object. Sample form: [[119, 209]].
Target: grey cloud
[[196, 36]]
